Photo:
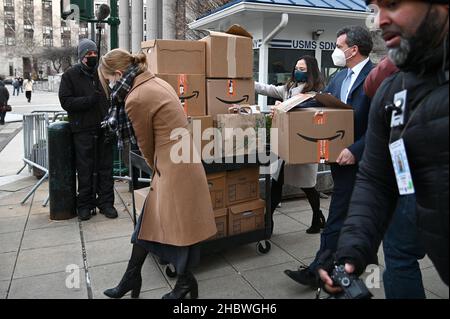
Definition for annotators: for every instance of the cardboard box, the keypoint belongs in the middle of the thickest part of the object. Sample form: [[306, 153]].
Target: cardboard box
[[191, 89], [314, 135], [199, 126], [242, 185], [221, 216], [229, 54], [217, 189], [246, 217], [175, 56], [140, 196], [223, 94], [240, 134]]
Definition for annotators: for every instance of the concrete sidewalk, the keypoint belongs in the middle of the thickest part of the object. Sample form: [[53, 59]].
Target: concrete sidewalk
[[40, 258]]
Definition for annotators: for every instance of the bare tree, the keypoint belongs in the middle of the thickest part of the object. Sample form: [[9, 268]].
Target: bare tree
[[60, 58], [187, 11]]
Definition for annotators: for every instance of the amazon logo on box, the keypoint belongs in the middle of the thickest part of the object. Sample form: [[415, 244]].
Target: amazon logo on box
[[222, 94], [314, 135], [190, 88]]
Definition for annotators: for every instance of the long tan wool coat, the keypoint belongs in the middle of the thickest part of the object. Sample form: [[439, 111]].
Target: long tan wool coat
[[178, 209]]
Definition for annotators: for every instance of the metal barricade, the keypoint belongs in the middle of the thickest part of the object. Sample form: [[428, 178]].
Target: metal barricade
[[35, 140]]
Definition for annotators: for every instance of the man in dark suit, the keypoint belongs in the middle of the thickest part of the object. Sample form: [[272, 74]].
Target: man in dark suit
[[353, 47]]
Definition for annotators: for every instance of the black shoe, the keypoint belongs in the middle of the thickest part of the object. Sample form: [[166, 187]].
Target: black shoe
[[109, 212], [305, 277], [132, 279], [318, 223], [84, 214], [186, 284]]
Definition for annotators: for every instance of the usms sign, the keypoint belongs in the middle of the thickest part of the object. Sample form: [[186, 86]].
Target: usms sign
[[297, 44]]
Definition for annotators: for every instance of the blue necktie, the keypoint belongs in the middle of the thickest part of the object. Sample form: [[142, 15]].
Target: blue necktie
[[346, 86]]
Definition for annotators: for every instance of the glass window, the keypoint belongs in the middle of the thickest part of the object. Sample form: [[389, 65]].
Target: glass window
[[282, 62]]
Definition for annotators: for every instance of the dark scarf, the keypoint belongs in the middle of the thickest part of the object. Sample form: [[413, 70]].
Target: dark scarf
[[118, 119]]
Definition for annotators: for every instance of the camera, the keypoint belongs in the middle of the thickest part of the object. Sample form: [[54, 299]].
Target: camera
[[352, 286]]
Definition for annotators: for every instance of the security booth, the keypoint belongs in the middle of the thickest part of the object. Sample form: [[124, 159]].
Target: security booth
[[284, 30]]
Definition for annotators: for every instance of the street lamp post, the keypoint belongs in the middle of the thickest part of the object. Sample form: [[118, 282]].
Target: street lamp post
[[114, 23]]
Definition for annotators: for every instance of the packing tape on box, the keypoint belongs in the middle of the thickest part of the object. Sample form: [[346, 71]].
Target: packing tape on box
[[183, 89], [323, 146], [231, 57]]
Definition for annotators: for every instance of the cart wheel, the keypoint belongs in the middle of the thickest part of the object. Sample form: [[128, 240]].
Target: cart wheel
[[162, 262], [171, 273], [263, 250]]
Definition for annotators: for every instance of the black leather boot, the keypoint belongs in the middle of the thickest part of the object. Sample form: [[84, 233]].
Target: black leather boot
[[131, 280], [84, 214], [109, 212], [186, 283], [318, 222]]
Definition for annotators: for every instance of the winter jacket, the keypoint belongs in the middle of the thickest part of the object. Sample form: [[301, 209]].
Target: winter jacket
[[376, 193], [4, 94], [82, 97]]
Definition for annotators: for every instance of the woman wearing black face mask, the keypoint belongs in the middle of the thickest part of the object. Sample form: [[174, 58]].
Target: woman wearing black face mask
[[306, 77], [82, 97]]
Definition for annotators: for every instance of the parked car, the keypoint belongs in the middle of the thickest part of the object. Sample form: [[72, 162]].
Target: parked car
[[8, 81]]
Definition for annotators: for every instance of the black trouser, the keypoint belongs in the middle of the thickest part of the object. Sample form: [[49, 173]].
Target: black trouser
[[84, 155], [2, 117], [344, 178], [28, 95]]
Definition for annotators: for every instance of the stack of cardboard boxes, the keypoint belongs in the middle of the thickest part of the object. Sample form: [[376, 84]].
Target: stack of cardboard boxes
[[210, 76], [236, 203], [229, 70]]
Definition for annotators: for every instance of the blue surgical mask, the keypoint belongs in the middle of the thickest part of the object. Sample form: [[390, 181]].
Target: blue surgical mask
[[300, 76]]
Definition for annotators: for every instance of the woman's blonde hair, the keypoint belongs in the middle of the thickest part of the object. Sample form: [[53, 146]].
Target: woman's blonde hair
[[119, 60]]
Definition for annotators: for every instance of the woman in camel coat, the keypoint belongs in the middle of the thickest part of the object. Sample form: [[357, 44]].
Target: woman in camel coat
[[178, 213]]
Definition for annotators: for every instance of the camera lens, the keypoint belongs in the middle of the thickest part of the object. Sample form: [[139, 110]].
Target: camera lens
[[345, 282]]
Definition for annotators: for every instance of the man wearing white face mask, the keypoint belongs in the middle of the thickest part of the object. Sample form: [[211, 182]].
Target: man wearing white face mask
[[353, 46]]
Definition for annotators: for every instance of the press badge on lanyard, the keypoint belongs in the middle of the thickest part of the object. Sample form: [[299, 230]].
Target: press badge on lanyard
[[398, 150]]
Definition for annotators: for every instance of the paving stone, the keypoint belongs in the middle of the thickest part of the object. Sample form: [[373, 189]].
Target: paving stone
[[43, 221], [228, 287], [41, 261], [272, 283], [50, 286], [111, 228], [283, 224], [4, 289], [7, 261], [12, 224], [13, 209], [433, 283], [152, 294], [50, 237], [10, 242], [108, 251], [299, 244], [246, 258], [213, 266]]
